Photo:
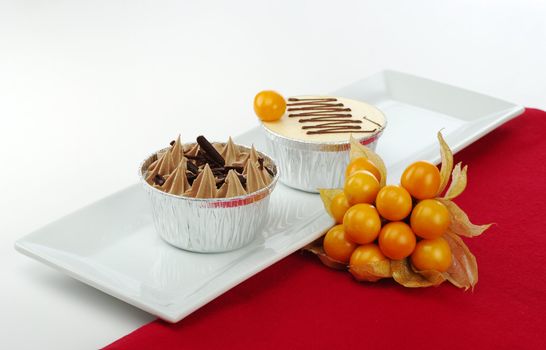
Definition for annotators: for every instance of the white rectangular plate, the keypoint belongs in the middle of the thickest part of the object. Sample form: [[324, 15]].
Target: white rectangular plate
[[111, 244]]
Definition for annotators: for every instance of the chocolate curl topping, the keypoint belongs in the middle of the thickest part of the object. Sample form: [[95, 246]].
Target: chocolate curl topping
[[159, 180], [242, 179], [237, 168], [220, 171], [220, 182], [210, 160], [192, 167], [191, 177], [269, 171], [210, 151]]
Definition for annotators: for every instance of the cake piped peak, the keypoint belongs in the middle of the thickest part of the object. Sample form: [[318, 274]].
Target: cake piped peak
[[209, 170], [177, 183], [232, 186], [230, 152], [205, 185], [254, 180], [177, 151]]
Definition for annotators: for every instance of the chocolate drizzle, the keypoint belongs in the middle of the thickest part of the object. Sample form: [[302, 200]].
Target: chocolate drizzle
[[327, 115]]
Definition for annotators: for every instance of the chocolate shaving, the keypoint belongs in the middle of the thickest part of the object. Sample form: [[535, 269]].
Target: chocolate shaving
[[159, 180], [220, 182], [210, 151], [198, 159], [211, 160], [191, 177], [172, 142], [261, 163], [193, 157], [237, 168], [269, 171], [242, 179], [200, 163], [192, 167]]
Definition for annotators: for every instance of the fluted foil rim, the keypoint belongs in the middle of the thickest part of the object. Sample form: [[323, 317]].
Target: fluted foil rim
[[326, 146]]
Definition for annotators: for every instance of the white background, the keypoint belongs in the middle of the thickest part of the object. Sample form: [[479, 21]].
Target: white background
[[88, 88]]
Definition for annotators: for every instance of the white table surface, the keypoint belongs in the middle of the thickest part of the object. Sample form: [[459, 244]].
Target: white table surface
[[87, 88]]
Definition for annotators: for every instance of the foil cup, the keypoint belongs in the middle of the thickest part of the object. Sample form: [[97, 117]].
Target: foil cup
[[308, 166], [208, 225]]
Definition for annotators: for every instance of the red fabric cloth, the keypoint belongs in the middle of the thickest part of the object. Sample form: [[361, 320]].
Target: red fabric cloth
[[299, 303]]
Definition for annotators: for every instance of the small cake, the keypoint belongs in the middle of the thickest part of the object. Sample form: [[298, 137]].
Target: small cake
[[208, 197], [309, 137]]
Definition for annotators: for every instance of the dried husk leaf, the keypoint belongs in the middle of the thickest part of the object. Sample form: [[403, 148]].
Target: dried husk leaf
[[433, 276], [327, 195], [458, 182], [331, 263], [359, 150], [403, 273], [447, 163], [460, 223], [372, 272], [463, 272], [316, 248]]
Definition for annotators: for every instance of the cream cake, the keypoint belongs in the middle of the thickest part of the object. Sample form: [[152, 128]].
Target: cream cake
[[308, 136], [327, 119]]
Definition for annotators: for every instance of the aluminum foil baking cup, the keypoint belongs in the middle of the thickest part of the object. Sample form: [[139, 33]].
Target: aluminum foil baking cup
[[308, 166], [208, 225]]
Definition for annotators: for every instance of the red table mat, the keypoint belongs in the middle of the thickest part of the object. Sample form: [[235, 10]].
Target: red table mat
[[299, 303]]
